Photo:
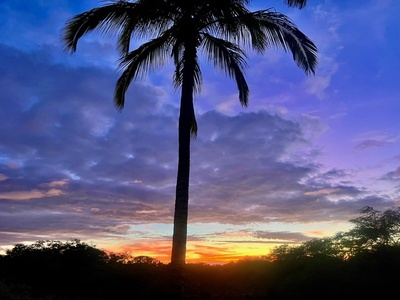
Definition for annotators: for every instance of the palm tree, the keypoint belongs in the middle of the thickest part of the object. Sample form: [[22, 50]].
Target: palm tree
[[177, 30]]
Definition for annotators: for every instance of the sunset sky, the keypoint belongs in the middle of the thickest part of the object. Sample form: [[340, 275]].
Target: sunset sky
[[297, 164]]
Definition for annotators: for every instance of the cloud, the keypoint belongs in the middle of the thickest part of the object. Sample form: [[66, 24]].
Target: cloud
[[365, 144], [57, 183], [29, 195], [280, 237], [377, 139], [392, 175], [102, 165], [322, 192], [320, 83]]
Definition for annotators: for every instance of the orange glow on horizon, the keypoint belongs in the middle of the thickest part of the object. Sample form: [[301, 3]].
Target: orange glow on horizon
[[204, 252]]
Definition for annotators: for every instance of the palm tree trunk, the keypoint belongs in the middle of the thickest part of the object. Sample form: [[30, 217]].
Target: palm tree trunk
[[182, 183], [178, 255]]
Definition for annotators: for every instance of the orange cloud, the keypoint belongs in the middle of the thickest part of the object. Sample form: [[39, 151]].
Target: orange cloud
[[317, 233], [160, 249], [57, 183], [33, 194], [13, 165], [322, 192]]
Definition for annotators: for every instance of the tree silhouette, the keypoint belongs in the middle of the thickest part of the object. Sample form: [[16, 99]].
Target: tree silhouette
[[374, 229], [177, 30], [316, 269]]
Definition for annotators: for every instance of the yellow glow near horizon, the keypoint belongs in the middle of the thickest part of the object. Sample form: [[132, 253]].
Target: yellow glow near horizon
[[220, 253], [197, 252], [224, 243], [208, 243]]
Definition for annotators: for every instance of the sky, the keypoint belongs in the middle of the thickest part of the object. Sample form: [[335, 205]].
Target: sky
[[297, 164]]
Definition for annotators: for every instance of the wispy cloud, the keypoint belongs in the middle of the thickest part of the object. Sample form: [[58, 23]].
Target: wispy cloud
[[29, 195], [375, 139]]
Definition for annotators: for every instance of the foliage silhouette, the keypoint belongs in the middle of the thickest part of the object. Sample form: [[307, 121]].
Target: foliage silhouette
[[313, 270], [75, 270]]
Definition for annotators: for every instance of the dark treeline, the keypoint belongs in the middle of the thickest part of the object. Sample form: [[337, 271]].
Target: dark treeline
[[361, 263]]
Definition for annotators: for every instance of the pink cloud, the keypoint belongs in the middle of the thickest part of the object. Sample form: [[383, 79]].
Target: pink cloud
[[33, 194]]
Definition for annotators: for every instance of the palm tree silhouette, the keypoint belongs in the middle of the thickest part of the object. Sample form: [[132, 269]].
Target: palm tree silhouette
[[176, 30]]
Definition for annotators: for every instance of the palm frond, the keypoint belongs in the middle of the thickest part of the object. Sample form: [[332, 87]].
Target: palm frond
[[179, 75], [105, 18], [218, 28], [247, 30], [124, 39], [281, 32], [224, 19], [148, 19], [137, 62], [178, 81], [296, 3], [231, 59], [193, 124]]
